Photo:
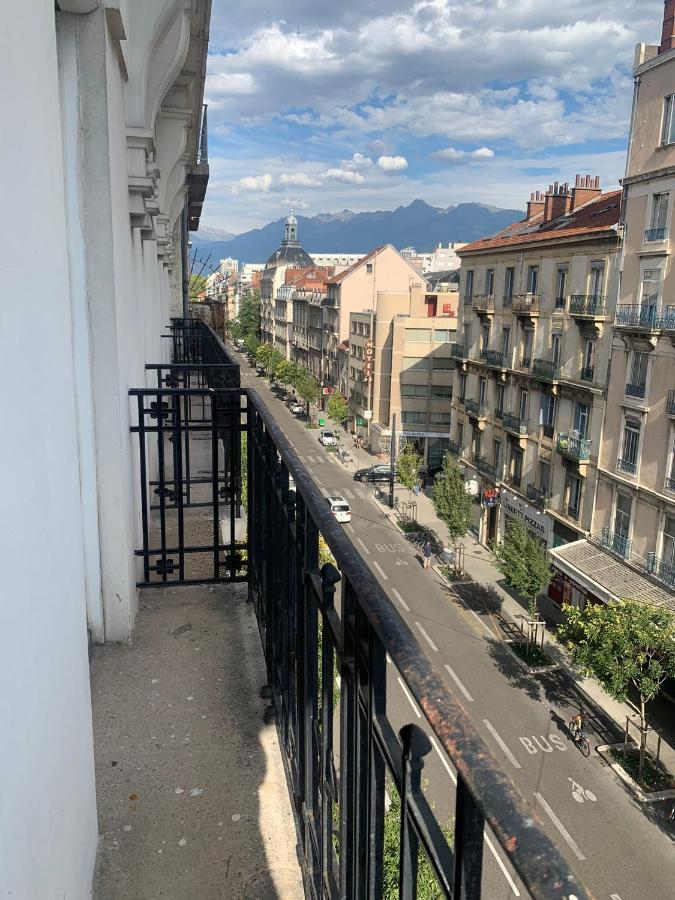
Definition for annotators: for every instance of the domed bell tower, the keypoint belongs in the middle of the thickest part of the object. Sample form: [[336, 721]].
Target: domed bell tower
[[291, 230]]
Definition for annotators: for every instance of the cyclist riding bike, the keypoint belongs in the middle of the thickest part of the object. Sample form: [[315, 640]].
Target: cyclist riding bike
[[577, 724]]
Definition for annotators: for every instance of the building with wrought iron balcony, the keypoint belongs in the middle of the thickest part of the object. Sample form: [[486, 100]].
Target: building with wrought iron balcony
[[534, 344]]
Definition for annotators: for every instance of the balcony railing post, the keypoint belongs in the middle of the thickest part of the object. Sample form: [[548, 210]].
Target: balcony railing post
[[330, 576], [348, 720], [469, 825], [416, 745]]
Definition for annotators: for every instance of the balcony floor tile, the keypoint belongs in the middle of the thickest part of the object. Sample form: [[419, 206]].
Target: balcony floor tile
[[191, 789]]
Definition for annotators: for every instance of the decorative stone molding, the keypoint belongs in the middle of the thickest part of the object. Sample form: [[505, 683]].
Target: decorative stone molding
[[143, 174]]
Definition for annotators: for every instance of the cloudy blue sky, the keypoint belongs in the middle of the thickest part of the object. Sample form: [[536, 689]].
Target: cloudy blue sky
[[368, 104]]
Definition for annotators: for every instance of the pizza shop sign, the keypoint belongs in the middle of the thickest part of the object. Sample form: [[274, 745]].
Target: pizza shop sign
[[537, 522]]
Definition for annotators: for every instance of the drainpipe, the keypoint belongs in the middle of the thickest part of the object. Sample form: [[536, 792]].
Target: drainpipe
[[184, 255]]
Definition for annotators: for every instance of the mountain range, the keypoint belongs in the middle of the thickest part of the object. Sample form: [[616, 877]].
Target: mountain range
[[417, 225]]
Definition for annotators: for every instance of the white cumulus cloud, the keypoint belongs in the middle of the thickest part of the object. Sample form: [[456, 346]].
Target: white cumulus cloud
[[392, 163]]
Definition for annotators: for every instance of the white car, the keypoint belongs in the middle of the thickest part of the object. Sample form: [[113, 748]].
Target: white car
[[327, 438], [340, 509], [298, 409]]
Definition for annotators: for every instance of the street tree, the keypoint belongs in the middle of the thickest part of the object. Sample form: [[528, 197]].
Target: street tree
[[251, 343], [308, 388], [262, 354], [248, 321], [285, 372], [451, 501], [523, 561], [624, 644], [408, 467], [337, 408], [274, 360]]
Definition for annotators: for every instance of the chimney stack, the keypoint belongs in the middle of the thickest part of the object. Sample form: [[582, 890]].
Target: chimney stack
[[668, 32], [585, 188], [557, 201], [535, 205]]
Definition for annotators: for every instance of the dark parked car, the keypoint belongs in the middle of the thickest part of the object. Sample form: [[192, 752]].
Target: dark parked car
[[374, 473]]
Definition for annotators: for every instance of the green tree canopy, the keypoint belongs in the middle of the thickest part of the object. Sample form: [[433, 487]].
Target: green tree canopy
[[408, 467], [197, 285], [623, 644], [308, 387], [523, 561], [251, 343], [248, 321], [286, 371], [451, 501], [337, 408]]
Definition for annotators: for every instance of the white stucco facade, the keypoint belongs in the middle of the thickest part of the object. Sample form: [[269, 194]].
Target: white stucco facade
[[102, 102]]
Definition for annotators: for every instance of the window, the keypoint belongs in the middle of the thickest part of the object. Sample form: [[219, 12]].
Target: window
[[443, 335], [414, 390], [555, 347], [462, 386], [668, 128], [622, 514], [467, 337], [516, 465], [506, 339], [353, 327], [369, 268], [523, 396], [668, 542], [468, 286], [544, 476], [359, 327], [637, 386], [581, 419], [490, 282], [509, 282], [418, 334], [596, 282], [589, 354], [499, 399], [476, 442], [630, 446], [532, 279], [651, 287], [560, 286], [485, 337], [528, 338], [658, 221], [670, 479], [548, 410], [439, 418], [415, 362], [442, 362], [573, 496], [414, 418], [443, 391], [496, 452], [460, 436], [482, 391], [366, 330]]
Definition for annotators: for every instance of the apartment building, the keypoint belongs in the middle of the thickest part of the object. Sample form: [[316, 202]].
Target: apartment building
[[632, 549], [400, 364], [289, 255], [536, 306]]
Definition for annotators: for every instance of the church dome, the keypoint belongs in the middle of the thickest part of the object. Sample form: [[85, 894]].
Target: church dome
[[290, 253]]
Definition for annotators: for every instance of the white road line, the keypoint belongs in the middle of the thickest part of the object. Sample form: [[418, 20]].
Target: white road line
[[400, 599], [444, 760], [363, 546], [318, 480], [505, 871], [426, 637], [561, 828], [381, 571], [476, 616], [410, 699], [350, 528], [455, 678], [349, 493], [388, 658], [493, 731], [614, 897], [323, 490]]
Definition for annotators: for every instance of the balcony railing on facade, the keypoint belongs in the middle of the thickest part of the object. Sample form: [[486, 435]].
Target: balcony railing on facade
[[655, 234], [454, 449], [475, 408], [515, 424], [661, 569], [670, 403], [340, 767], [588, 306], [614, 542], [483, 467], [573, 447], [483, 303], [538, 496], [546, 369], [525, 304], [459, 351], [629, 466], [645, 317], [525, 362], [496, 359], [636, 390], [560, 303], [588, 373]]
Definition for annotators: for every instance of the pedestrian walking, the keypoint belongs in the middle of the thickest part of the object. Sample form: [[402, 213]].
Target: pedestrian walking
[[426, 552]]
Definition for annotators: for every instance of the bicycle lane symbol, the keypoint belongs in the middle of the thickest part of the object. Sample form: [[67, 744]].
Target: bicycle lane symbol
[[581, 794]]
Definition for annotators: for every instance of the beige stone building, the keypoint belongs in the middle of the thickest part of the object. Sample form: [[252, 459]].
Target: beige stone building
[[536, 307], [276, 322], [633, 548], [400, 364]]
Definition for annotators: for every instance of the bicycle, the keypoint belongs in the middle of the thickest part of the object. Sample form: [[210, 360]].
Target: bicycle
[[579, 737]]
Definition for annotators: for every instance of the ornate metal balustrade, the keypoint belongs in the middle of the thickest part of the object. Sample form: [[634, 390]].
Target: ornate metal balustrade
[[614, 542], [538, 496], [670, 403], [515, 424], [588, 306], [546, 369], [341, 750], [576, 448], [494, 358], [475, 408]]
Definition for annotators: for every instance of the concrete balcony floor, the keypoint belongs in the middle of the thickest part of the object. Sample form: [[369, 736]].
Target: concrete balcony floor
[[192, 797]]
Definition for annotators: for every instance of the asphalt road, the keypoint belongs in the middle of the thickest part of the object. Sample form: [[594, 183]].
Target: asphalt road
[[620, 848]]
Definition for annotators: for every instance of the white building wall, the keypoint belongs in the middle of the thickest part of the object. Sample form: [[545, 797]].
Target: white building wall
[[48, 831]]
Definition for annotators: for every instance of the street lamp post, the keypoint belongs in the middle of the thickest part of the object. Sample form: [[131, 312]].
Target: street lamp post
[[392, 455]]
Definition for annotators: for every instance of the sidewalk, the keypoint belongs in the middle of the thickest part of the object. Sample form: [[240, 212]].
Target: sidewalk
[[478, 565]]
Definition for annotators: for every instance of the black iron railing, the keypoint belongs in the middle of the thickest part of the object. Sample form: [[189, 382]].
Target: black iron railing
[[516, 424], [546, 369], [617, 543], [588, 306], [587, 373], [627, 465], [540, 497], [656, 234], [483, 467], [475, 408], [661, 569], [573, 447], [483, 303], [341, 751], [494, 358], [454, 449], [670, 403], [641, 316], [636, 390], [525, 304]]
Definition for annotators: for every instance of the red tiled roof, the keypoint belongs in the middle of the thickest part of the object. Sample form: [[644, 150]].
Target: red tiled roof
[[314, 278], [592, 218]]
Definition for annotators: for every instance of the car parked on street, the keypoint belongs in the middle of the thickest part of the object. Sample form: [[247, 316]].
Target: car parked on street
[[373, 474], [298, 409], [327, 438], [340, 509]]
